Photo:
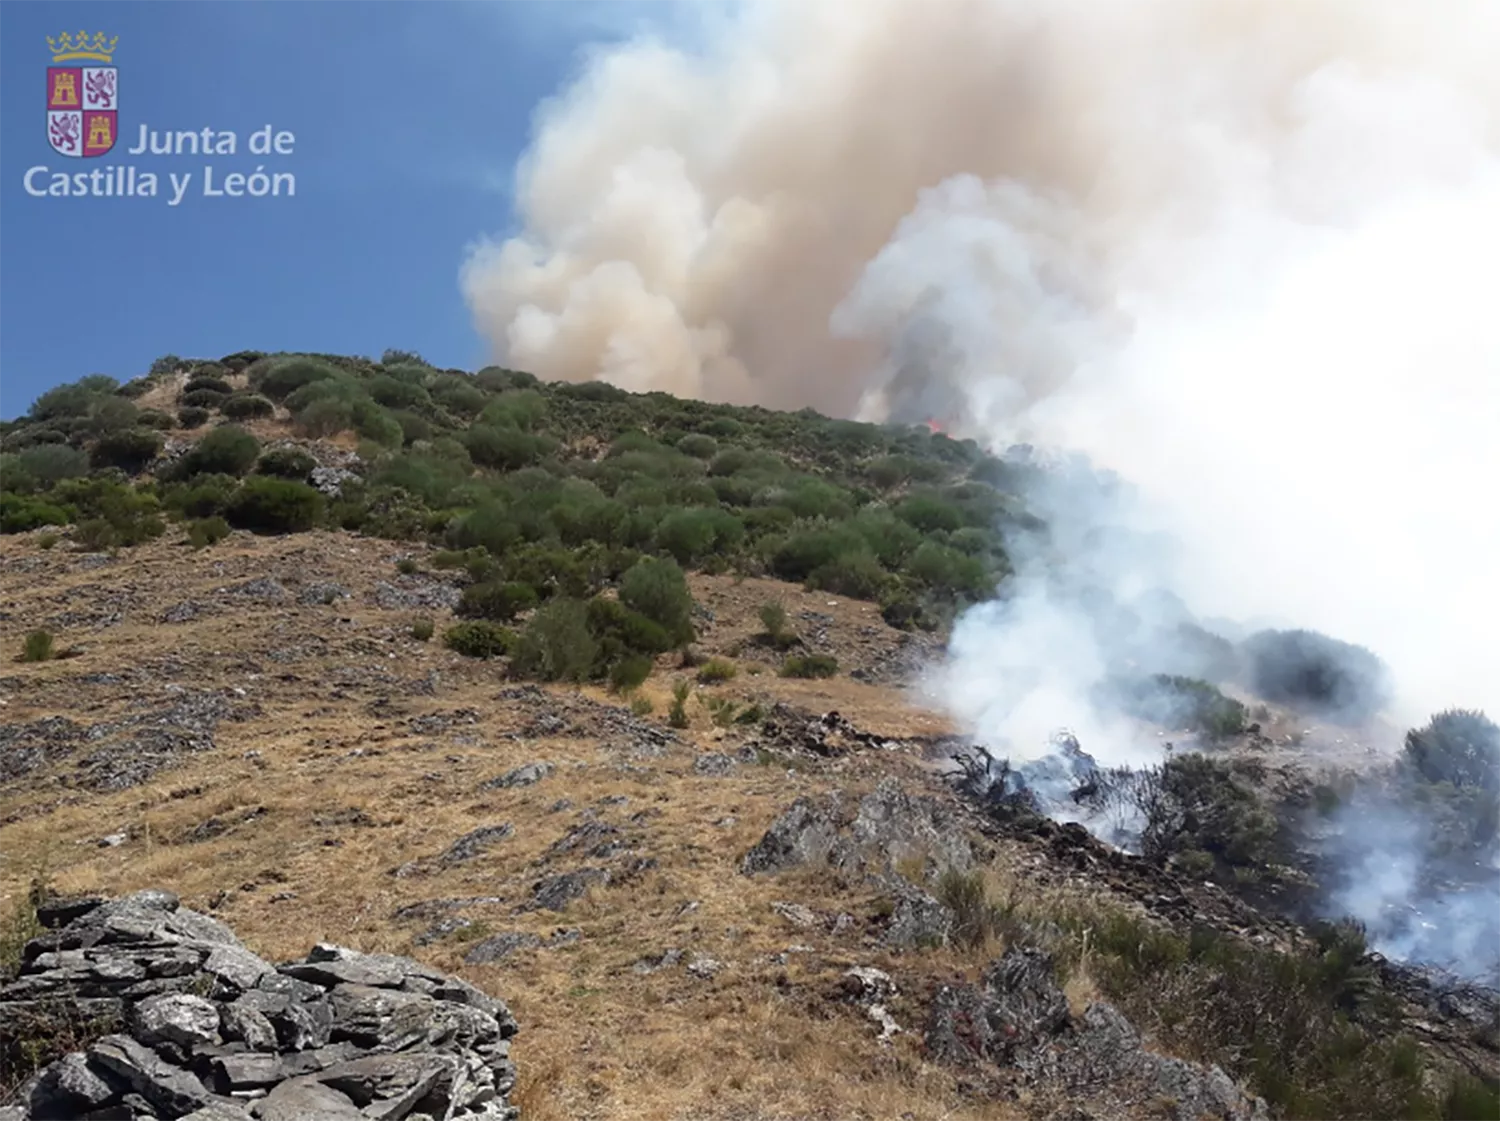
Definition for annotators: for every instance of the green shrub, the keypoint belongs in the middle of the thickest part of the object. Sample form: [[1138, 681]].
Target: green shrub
[[693, 534], [37, 647], [246, 405], [479, 638], [640, 705], [287, 375], [325, 416], [205, 496], [286, 463], [698, 446], [408, 566], [154, 418], [801, 554], [810, 665], [227, 450], [658, 590], [630, 672], [677, 715], [21, 513], [1459, 747], [51, 463], [264, 504], [208, 382], [773, 619], [46, 541], [204, 399], [130, 450], [459, 397], [193, 416], [496, 600], [505, 449], [207, 531], [397, 393], [414, 428], [857, 575], [716, 670], [557, 644], [422, 629]]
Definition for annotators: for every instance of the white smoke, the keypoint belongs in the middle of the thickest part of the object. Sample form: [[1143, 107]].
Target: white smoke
[[1241, 252]]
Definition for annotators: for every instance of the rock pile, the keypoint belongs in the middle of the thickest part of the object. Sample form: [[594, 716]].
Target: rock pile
[[157, 1011]]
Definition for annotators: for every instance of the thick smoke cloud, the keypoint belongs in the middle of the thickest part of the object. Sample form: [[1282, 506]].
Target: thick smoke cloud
[[1243, 253]]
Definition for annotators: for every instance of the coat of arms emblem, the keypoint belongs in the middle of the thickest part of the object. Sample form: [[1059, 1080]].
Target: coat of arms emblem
[[83, 101]]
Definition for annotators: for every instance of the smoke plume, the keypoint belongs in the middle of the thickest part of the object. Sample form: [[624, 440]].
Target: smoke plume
[[1241, 252]]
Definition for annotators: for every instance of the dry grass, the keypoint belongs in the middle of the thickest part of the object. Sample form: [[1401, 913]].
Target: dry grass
[[327, 791]]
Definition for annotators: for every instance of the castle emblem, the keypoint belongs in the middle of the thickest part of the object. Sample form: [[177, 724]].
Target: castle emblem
[[83, 101]]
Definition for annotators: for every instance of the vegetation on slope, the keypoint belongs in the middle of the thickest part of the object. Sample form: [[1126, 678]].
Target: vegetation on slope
[[547, 494]]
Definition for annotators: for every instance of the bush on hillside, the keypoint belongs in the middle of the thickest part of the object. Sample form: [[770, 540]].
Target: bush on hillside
[[557, 644], [1459, 747], [658, 590], [130, 450], [245, 405], [479, 638], [1307, 669], [51, 463], [23, 513], [204, 399], [193, 416], [209, 382], [282, 378], [227, 450], [286, 463], [498, 601], [265, 504]]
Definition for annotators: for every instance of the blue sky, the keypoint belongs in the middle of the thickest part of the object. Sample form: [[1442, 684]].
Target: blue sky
[[409, 116]]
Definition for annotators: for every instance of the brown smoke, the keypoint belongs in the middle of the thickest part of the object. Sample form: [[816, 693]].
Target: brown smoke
[[692, 222]]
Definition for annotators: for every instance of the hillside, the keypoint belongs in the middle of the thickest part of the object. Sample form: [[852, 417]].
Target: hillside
[[599, 702]]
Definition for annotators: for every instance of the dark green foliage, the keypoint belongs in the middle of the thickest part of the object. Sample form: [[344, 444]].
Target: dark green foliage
[[698, 446], [630, 672], [413, 427], [193, 416], [694, 534], [282, 378], [479, 638], [658, 590], [505, 449], [110, 514], [1314, 671], [857, 575], [20, 513], [51, 463], [227, 450], [421, 630], [286, 463], [265, 504], [557, 644], [204, 496], [207, 531], [130, 450], [499, 601], [397, 392], [1458, 747], [204, 399], [245, 405], [209, 382], [1183, 702], [497, 379], [37, 647], [151, 418], [716, 670], [458, 397], [810, 665]]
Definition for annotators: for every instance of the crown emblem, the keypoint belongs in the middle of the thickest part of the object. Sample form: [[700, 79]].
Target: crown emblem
[[66, 47]]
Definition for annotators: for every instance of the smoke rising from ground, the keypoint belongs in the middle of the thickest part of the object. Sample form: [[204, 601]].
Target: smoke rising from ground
[[1243, 253]]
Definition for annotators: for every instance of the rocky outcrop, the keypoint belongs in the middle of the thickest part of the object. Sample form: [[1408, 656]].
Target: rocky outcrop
[[1017, 1019], [157, 1011]]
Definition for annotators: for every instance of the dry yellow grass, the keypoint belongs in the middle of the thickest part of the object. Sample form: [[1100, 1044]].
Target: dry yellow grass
[[325, 791]]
